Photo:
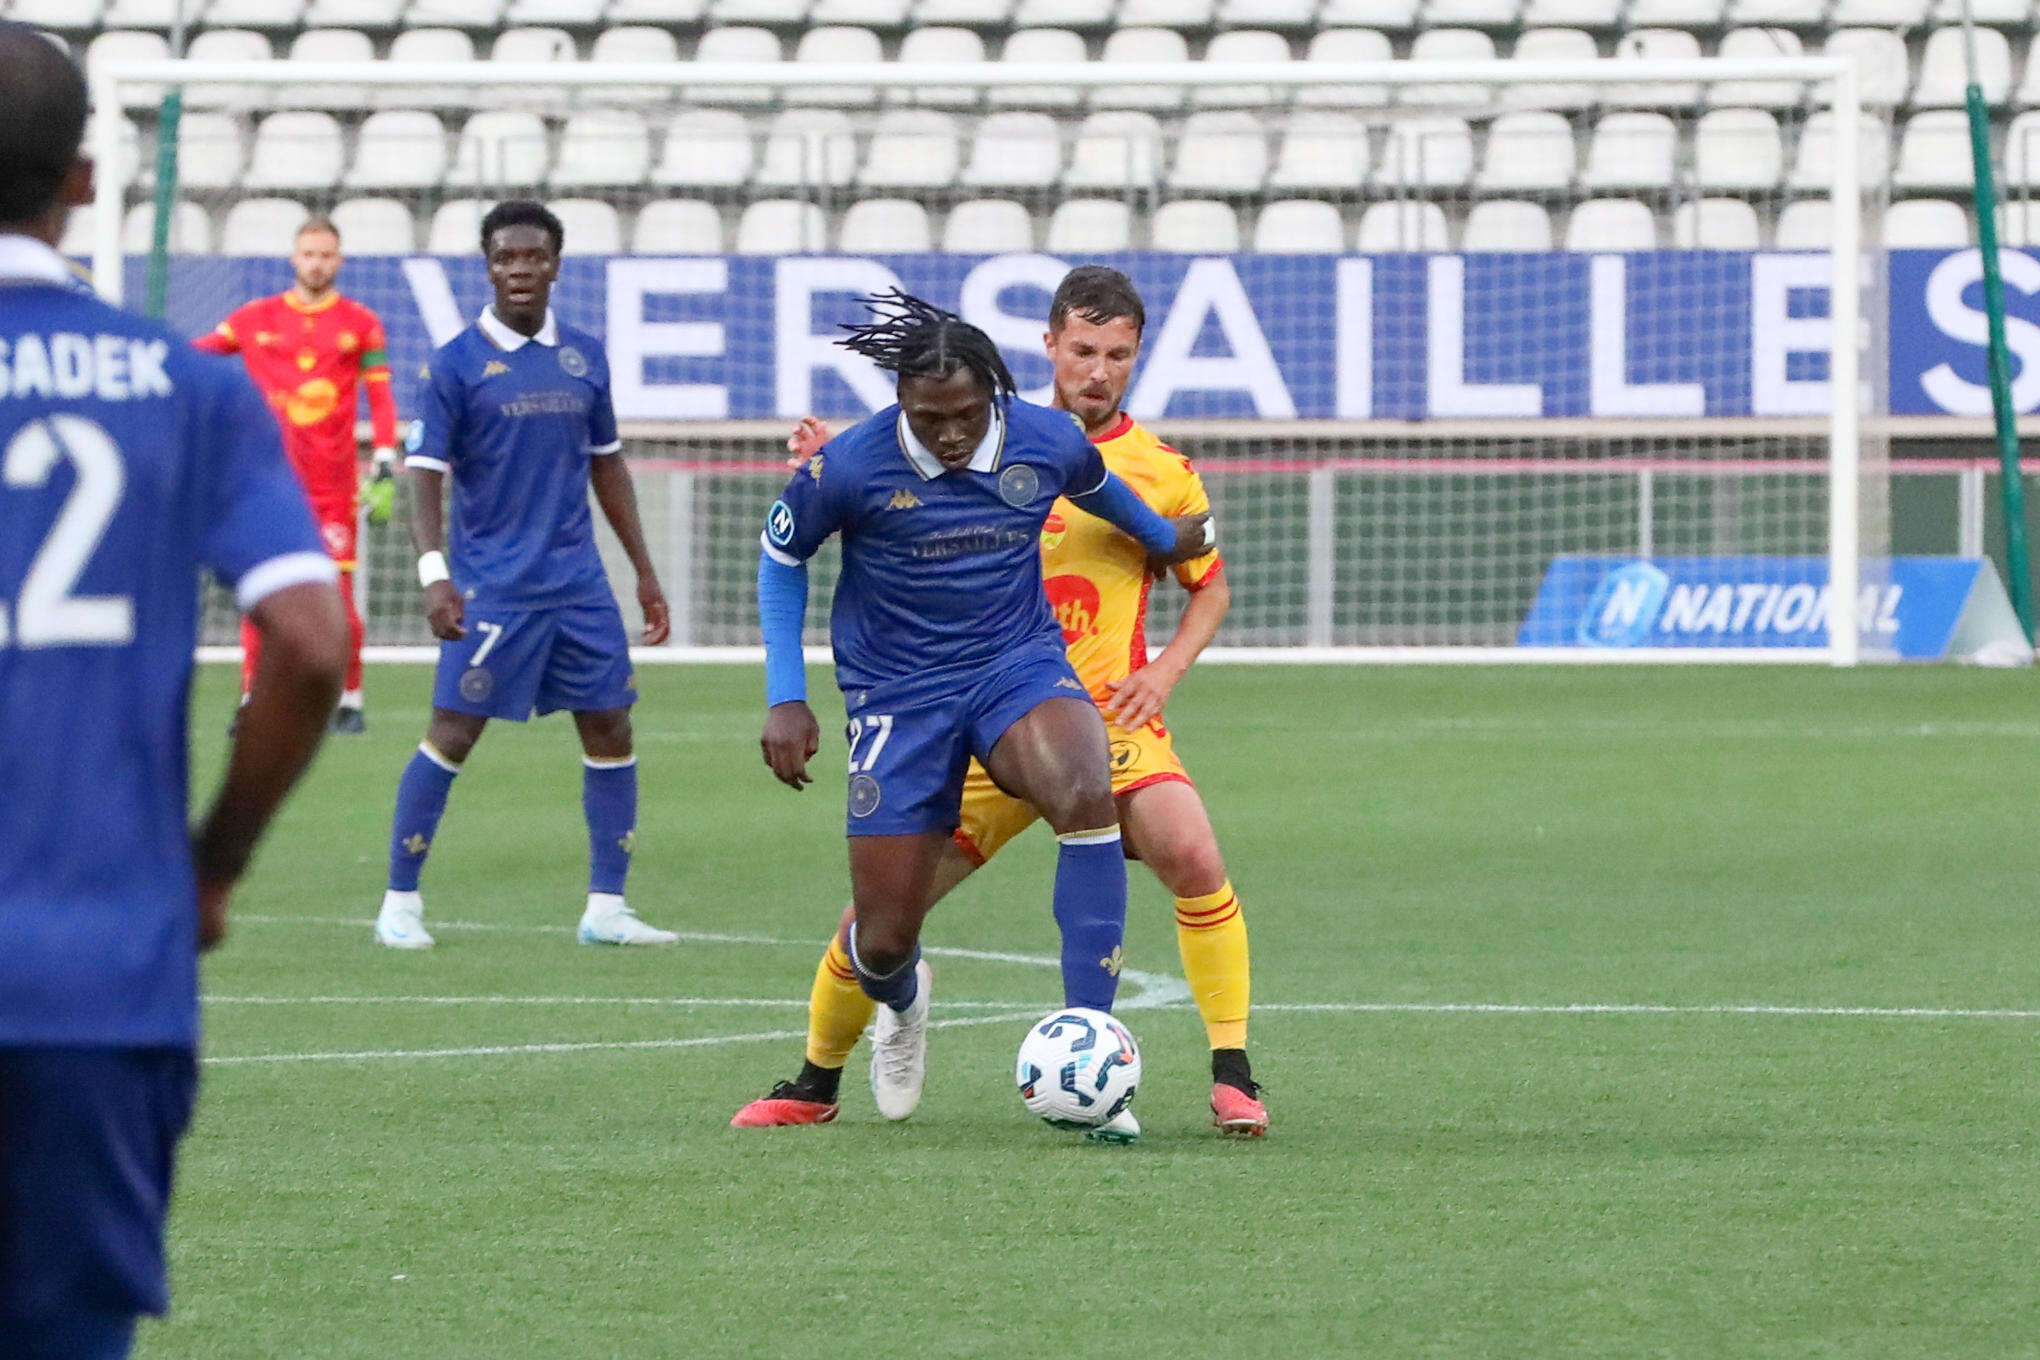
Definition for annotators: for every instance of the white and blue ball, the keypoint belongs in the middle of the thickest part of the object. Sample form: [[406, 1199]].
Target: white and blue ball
[[1078, 1068]]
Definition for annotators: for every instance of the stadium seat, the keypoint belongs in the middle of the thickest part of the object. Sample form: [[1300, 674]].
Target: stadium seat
[[1194, 226], [1804, 224], [1676, 13], [885, 226], [428, 45], [677, 226], [398, 148], [656, 11], [1532, 150], [2021, 225], [757, 11], [1145, 46], [580, 12], [740, 44], [1573, 13], [500, 147], [1611, 224], [353, 13], [2028, 94], [835, 43], [1889, 13], [1475, 13], [1448, 44], [285, 14], [1274, 13], [1715, 224], [1346, 44], [1926, 223], [1031, 45], [533, 45], [1063, 13], [211, 150], [1197, 14], [1631, 150], [2009, 13], [375, 226], [261, 226], [128, 46], [1321, 150], [1083, 225], [1655, 44], [1944, 77], [1506, 225], [191, 231], [988, 226], [911, 148], [1933, 153], [1881, 63], [1738, 149], [1251, 45], [1802, 13], [456, 227], [2022, 151], [705, 147], [781, 226], [808, 146], [140, 13], [1220, 153], [603, 146], [1553, 44], [982, 13], [1014, 150], [1395, 14], [326, 44], [872, 13], [1402, 227], [1812, 168], [1766, 94], [630, 43], [299, 149], [1115, 150], [1299, 226], [480, 14], [941, 47], [1432, 152], [68, 16], [591, 226]]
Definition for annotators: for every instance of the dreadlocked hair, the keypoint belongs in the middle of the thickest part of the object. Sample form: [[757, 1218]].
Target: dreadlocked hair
[[917, 339]]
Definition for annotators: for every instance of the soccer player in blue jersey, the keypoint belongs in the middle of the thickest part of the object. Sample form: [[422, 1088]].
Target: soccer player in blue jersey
[[517, 412], [127, 461], [945, 650]]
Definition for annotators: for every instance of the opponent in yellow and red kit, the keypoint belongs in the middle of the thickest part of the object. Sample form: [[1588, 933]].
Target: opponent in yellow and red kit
[[305, 359]]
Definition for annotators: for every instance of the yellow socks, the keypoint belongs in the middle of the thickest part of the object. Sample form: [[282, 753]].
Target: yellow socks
[[838, 1009], [1212, 936]]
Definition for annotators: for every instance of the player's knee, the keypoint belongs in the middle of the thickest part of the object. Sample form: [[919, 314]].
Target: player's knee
[[452, 740], [1081, 802], [1187, 863], [883, 947], [606, 735]]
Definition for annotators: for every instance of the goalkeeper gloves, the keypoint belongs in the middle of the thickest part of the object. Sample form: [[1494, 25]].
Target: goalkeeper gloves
[[379, 494]]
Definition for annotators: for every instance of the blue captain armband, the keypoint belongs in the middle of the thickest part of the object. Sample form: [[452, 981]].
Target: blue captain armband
[[1113, 500], [782, 607]]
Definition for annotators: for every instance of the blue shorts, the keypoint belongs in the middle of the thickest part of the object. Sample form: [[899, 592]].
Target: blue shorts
[[88, 1141], [907, 761], [516, 661]]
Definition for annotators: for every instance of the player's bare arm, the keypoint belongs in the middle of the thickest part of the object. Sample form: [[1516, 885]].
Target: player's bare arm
[[1139, 698], [444, 610], [609, 475], [304, 656]]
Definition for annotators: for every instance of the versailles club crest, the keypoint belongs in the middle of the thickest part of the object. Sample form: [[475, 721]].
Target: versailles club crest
[[1019, 485], [573, 361]]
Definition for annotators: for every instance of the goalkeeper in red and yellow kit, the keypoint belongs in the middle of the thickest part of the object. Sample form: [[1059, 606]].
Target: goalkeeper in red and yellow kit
[[1097, 581], [306, 349]]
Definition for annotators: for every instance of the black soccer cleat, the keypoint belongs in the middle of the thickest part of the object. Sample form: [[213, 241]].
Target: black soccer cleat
[[349, 722]]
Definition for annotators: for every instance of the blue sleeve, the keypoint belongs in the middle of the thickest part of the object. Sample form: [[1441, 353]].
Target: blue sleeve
[[782, 607], [602, 435], [258, 535], [806, 513], [1116, 502], [432, 436]]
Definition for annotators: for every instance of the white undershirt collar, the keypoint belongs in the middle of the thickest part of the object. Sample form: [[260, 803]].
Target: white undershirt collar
[[504, 338], [27, 259], [984, 459]]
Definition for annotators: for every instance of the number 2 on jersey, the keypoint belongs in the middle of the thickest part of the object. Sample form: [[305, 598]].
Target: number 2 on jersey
[[878, 727], [47, 614]]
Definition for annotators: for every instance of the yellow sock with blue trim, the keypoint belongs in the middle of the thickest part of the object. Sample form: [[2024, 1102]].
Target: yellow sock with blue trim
[[838, 1009], [1212, 936]]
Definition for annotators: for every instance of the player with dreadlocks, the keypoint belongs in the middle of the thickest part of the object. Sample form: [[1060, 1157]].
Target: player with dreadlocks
[[945, 650]]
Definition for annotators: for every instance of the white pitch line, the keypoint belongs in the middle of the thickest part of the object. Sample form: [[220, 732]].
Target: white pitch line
[[674, 1001], [1640, 1008]]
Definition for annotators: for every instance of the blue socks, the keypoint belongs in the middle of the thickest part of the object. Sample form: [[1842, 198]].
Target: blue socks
[[421, 799], [609, 801], [1090, 910], [897, 988]]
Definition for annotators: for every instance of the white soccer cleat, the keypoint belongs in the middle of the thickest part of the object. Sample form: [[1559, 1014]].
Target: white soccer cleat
[[1121, 1128], [401, 922], [899, 1050], [609, 921]]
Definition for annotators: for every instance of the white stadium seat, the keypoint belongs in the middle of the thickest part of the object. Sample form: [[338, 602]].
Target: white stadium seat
[[1573, 13], [1478, 13], [943, 47], [1064, 13], [65, 15], [1805, 224], [398, 148], [500, 147], [885, 226], [1115, 150], [1346, 44], [835, 43], [1299, 226], [1014, 150], [1031, 45], [1676, 13], [1944, 76], [1167, 13], [254, 14], [1321, 150], [1275, 13], [1738, 149], [1933, 152], [1448, 44], [191, 231], [375, 226], [1504, 224], [1395, 14], [325, 44], [296, 150], [757, 11], [1926, 223], [911, 148], [1715, 224], [1882, 67], [2028, 95], [1249, 45], [1889, 13], [1220, 153], [456, 227], [1433, 151], [353, 13], [1194, 226], [1405, 227], [1553, 44], [1532, 150], [737, 44], [2022, 151], [874, 13], [1144, 45], [705, 147], [656, 11], [603, 146], [1090, 224], [984, 13], [423, 45], [1812, 167], [625, 43], [483, 14], [1743, 43], [261, 226], [2010, 13], [808, 146], [211, 151], [582, 12], [781, 226], [540, 45], [677, 226], [127, 46], [1804, 13], [1655, 44], [1631, 150], [2022, 224], [590, 225], [140, 13], [988, 226], [1611, 224]]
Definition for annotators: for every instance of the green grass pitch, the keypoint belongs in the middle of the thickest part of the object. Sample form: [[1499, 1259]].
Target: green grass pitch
[[512, 1146]]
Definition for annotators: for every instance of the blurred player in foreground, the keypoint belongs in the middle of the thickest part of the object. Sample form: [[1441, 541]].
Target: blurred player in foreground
[[1097, 583], [946, 650], [517, 413], [305, 348], [128, 463]]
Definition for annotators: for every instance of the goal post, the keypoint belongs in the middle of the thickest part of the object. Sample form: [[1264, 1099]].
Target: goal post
[[1416, 438]]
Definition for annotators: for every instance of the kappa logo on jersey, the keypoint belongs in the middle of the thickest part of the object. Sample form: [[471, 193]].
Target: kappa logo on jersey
[[814, 468], [1018, 486], [903, 499], [494, 368], [572, 362], [1074, 602], [779, 524]]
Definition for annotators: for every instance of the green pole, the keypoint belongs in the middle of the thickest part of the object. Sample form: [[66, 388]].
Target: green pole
[[165, 202]]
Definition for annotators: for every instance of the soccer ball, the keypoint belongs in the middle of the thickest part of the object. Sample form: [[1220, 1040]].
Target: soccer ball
[[1077, 1068]]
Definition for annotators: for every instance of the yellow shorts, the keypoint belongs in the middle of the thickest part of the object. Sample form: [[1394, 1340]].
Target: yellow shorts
[[992, 817]]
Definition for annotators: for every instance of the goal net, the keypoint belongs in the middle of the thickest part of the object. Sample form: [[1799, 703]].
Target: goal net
[[1478, 360]]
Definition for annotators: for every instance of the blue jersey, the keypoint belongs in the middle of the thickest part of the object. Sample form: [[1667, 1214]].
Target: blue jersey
[[127, 461], [941, 570], [513, 419]]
